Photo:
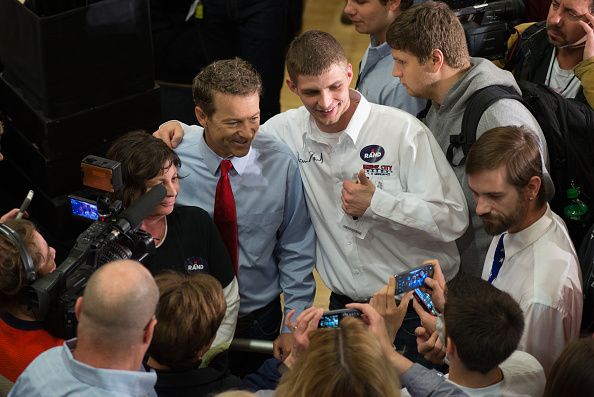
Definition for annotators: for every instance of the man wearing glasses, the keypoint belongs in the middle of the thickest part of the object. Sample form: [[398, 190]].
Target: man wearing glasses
[[559, 52]]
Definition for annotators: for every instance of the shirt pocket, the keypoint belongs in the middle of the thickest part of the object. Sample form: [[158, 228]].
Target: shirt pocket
[[257, 234]]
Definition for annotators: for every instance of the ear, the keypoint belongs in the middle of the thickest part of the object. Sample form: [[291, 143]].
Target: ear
[[450, 347], [533, 187], [200, 353], [349, 73], [436, 60], [292, 86], [78, 307], [149, 331], [201, 116], [393, 5]]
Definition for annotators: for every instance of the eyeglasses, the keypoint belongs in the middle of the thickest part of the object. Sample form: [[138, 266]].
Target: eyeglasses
[[571, 15]]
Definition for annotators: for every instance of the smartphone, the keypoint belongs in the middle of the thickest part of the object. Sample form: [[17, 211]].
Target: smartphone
[[83, 208], [25, 204], [332, 318], [425, 300], [412, 279]]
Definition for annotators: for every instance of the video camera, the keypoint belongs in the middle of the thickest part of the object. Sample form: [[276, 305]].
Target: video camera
[[488, 24], [114, 235]]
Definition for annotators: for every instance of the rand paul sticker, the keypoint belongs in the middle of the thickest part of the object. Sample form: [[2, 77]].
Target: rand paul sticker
[[372, 153]]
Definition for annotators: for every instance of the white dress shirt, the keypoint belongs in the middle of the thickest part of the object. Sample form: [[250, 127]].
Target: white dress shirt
[[541, 272], [418, 208]]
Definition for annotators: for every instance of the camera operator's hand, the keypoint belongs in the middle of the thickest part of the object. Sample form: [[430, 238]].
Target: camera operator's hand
[[306, 323], [384, 303], [437, 285], [10, 215], [170, 132], [430, 346]]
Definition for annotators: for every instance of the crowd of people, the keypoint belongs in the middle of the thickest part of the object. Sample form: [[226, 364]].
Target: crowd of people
[[355, 184]]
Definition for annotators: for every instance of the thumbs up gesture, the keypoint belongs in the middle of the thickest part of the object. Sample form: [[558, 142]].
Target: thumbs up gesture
[[356, 195]]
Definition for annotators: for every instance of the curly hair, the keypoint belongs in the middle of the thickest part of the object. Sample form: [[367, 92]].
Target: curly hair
[[228, 76], [13, 276]]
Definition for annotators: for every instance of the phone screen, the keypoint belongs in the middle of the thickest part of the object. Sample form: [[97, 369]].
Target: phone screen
[[425, 301], [83, 208], [413, 279], [333, 318]]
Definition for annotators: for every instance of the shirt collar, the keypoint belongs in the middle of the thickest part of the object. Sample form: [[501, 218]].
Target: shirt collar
[[515, 242], [213, 160], [382, 49], [355, 124], [127, 382]]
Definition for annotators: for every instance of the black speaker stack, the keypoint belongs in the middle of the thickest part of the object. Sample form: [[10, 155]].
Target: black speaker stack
[[72, 81]]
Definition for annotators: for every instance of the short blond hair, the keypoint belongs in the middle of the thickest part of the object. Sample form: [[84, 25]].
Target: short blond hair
[[313, 53]]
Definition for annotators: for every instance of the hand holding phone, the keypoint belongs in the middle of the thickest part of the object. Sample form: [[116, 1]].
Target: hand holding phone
[[332, 318], [425, 300], [415, 278], [436, 284], [384, 302]]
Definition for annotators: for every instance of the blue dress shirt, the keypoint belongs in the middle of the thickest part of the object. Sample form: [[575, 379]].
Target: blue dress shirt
[[276, 239], [56, 372]]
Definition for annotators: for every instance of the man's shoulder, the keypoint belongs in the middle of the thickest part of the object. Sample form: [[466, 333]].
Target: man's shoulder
[[193, 134], [46, 369], [523, 374], [272, 153], [53, 355], [269, 142], [391, 115], [291, 120], [521, 362]]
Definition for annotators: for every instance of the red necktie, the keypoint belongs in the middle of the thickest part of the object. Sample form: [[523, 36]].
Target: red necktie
[[225, 216]]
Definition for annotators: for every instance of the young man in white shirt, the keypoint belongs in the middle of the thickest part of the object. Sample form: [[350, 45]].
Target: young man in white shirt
[[531, 256], [481, 331]]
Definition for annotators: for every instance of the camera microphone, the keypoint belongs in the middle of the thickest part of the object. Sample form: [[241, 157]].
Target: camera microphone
[[133, 216]]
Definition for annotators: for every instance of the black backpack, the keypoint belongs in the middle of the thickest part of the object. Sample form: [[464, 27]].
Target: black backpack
[[568, 127]]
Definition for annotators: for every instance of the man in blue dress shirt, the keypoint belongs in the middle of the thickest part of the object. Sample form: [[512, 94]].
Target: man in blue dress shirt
[[116, 320], [276, 240]]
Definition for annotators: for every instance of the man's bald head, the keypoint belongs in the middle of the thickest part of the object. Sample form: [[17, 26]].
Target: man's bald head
[[119, 301]]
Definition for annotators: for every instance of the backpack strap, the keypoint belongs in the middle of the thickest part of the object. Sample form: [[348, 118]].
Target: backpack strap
[[475, 107]]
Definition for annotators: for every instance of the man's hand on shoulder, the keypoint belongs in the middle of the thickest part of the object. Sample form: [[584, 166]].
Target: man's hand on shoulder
[[170, 132], [357, 195]]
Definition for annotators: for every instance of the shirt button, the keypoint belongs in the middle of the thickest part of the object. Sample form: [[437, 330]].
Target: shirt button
[[349, 243]]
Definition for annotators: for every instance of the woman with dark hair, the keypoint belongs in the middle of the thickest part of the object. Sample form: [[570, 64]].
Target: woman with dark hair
[[186, 238], [571, 374]]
